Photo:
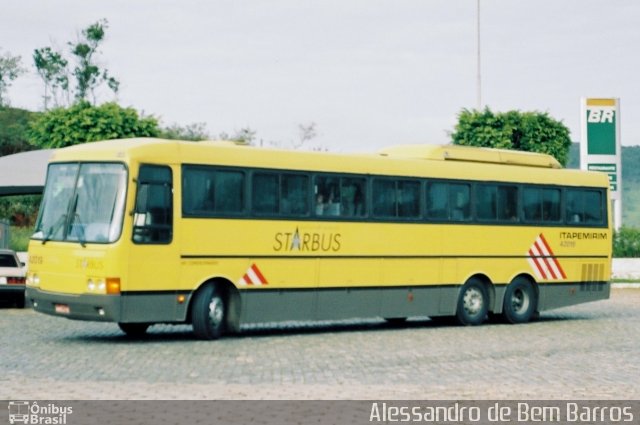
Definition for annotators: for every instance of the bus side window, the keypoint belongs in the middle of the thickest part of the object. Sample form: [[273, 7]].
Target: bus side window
[[327, 196], [575, 206], [593, 207], [353, 202], [585, 206], [384, 198], [438, 201], [265, 197], [507, 203], [153, 215], [460, 201], [408, 195], [294, 190]]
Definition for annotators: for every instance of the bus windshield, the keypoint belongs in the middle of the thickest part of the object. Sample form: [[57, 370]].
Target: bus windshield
[[82, 202]]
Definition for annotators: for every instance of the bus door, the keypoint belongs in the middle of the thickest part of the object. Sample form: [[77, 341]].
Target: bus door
[[154, 261]]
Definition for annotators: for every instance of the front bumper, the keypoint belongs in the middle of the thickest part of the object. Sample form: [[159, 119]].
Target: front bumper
[[103, 308]]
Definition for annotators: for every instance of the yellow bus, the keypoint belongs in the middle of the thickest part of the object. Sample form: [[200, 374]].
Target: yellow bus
[[216, 235]]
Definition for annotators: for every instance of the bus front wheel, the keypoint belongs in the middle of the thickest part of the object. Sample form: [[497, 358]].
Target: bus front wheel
[[473, 303], [208, 313], [520, 301]]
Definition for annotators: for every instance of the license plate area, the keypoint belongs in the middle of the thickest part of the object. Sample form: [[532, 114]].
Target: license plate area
[[62, 309]]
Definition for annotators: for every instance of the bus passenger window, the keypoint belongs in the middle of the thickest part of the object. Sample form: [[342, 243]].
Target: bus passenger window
[[327, 196], [585, 206], [229, 190], [353, 202], [551, 205], [541, 204], [460, 201], [408, 194], [294, 189], [575, 206], [593, 207], [438, 201], [384, 198], [486, 202], [507, 203], [265, 198]]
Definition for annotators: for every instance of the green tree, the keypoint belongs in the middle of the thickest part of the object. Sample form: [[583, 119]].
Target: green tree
[[10, 69], [84, 122], [194, 132], [53, 68], [88, 74], [14, 128], [526, 131]]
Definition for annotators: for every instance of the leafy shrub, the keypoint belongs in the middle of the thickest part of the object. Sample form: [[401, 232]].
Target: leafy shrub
[[626, 243], [19, 238]]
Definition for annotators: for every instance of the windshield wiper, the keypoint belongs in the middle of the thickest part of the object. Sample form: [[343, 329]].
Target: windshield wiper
[[80, 229], [54, 228]]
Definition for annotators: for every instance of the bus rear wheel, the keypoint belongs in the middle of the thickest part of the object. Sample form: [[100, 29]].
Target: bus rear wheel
[[520, 301], [208, 313], [473, 303]]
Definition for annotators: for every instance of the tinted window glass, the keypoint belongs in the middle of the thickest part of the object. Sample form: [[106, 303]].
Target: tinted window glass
[[460, 201], [384, 198], [593, 207], [507, 203], [265, 193], [541, 204], [408, 195], [153, 215], [486, 202], [229, 192], [207, 191], [585, 206], [339, 196], [294, 192], [7, 261], [353, 191], [327, 196], [551, 205], [438, 201]]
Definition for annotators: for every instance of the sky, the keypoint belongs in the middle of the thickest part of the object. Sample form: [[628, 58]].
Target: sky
[[368, 73]]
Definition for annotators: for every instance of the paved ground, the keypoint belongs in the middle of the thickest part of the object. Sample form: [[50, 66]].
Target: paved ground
[[587, 351]]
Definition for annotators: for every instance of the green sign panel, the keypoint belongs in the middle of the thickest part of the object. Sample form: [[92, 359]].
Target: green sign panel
[[601, 131], [610, 169]]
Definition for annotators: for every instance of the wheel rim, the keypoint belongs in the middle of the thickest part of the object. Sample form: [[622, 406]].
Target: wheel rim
[[520, 301], [216, 311], [473, 301]]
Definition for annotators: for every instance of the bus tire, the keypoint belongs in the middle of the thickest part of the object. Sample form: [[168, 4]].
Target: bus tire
[[134, 330], [208, 313], [520, 301], [473, 303]]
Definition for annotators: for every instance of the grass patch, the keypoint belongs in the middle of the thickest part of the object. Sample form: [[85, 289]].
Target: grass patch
[[19, 238], [623, 280]]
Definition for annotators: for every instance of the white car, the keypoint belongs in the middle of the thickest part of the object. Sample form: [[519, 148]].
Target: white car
[[12, 277]]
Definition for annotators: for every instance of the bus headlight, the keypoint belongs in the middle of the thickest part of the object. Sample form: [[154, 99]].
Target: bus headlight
[[33, 279], [101, 285]]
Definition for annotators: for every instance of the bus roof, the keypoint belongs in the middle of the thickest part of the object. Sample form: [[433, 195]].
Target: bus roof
[[472, 154], [447, 161]]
